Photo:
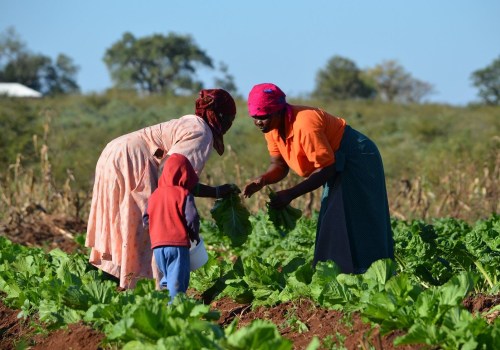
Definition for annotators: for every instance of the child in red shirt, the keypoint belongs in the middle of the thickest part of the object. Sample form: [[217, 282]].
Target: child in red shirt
[[173, 223]]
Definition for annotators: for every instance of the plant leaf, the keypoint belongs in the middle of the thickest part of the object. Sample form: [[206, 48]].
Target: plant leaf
[[232, 219]]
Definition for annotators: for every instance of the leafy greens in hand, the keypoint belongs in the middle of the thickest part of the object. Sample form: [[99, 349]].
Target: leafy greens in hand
[[284, 220], [232, 218]]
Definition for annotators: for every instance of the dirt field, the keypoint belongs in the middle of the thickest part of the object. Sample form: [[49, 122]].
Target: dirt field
[[309, 321]]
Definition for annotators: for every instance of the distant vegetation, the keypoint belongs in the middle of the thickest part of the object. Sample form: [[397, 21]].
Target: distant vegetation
[[168, 64], [439, 160], [37, 71]]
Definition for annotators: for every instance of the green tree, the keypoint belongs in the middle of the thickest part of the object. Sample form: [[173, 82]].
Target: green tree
[[341, 80], [393, 83], [18, 64], [11, 46], [156, 64], [59, 78], [25, 69], [227, 81], [487, 80]]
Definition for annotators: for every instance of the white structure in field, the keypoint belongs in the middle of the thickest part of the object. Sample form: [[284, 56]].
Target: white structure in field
[[17, 90]]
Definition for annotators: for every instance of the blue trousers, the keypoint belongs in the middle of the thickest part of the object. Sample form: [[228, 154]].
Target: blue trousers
[[173, 263]]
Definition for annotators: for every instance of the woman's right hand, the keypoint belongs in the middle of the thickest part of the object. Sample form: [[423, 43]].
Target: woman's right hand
[[225, 190], [254, 186]]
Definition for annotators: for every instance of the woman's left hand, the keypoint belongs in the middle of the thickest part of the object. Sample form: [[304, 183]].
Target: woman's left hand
[[281, 199]]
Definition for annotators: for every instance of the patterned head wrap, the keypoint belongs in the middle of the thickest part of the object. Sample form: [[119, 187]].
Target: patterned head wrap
[[212, 106], [265, 99]]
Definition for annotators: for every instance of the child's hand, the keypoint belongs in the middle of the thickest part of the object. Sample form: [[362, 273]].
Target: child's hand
[[194, 237], [145, 222]]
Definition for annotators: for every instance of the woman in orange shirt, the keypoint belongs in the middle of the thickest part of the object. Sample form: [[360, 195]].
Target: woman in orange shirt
[[354, 228]]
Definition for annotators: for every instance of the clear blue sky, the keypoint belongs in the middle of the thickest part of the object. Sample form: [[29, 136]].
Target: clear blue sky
[[286, 42]]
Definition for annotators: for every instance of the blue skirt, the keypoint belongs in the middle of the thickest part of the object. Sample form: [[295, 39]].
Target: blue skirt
[[354, 227]]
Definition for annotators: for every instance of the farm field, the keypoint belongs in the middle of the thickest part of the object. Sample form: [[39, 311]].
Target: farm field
[[338, 319], [258, 290]]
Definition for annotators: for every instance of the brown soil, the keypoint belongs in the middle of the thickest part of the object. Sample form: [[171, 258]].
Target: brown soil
[[22, 333], [301, 321], [44, 231], [298, 321]]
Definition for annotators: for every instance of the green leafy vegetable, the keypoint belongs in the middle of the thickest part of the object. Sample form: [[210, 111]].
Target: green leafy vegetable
[[232, 218], [284, 220]]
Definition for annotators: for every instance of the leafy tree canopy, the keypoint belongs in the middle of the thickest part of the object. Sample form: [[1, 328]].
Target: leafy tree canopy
[[19, 65], [487, 80], [156, 64], [393, 83], [341, 80], [227, 81]]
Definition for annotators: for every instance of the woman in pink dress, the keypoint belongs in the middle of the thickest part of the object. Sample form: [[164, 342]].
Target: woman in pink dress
[[127, 174]]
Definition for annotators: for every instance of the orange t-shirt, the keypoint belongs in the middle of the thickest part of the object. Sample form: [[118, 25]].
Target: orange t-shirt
[[311, 140]]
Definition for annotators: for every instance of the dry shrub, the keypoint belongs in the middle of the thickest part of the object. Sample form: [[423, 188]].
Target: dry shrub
[[461, 191], [26, 190], [465, 192]]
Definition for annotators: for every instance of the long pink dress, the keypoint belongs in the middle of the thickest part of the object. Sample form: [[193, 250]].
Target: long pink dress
[[126, 175]]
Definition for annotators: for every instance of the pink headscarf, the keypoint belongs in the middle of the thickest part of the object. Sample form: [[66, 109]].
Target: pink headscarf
[[265, 99]]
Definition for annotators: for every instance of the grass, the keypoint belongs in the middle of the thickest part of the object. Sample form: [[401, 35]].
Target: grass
[[439, 160]]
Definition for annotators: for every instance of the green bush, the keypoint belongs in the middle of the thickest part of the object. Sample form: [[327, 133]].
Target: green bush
[[416, 141]]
